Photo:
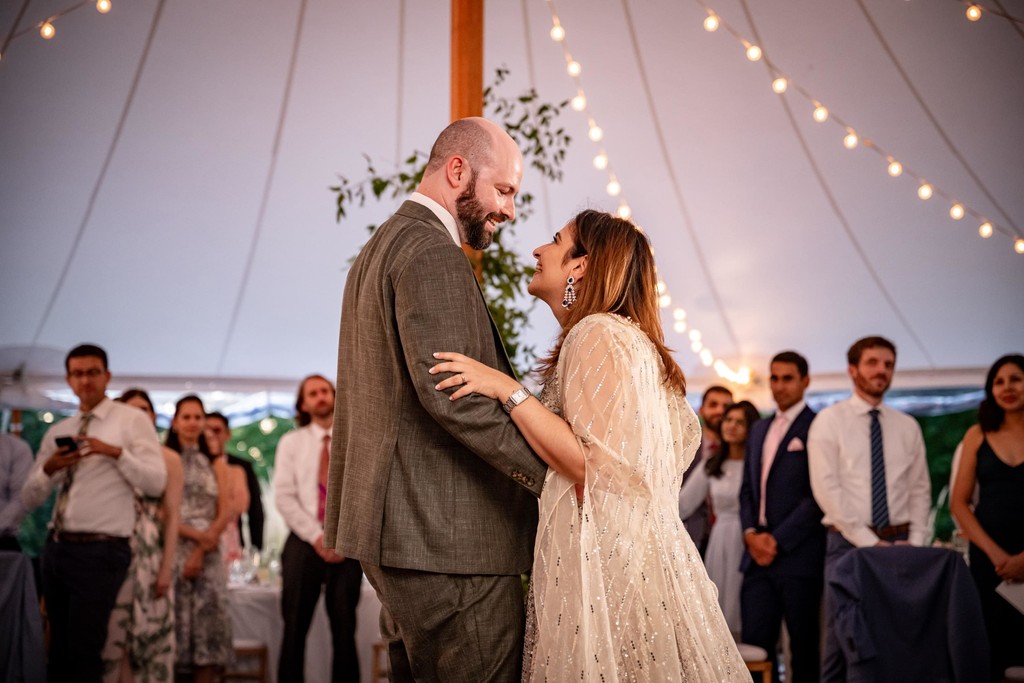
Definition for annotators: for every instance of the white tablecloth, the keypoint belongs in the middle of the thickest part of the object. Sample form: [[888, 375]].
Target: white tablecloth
[[256, 615]]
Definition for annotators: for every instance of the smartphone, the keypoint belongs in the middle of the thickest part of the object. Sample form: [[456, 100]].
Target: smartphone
[[67, 442]]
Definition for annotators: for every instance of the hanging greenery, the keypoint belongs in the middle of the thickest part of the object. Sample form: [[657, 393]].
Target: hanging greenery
[[533, 124]]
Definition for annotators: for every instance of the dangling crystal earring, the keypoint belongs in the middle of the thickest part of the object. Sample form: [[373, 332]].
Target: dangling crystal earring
[[570, 293]]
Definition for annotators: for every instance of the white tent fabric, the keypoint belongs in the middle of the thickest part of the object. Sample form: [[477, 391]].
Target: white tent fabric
[[163, 190]]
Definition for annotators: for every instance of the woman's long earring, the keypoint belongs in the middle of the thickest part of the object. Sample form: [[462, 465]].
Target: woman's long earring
[[570, 293]]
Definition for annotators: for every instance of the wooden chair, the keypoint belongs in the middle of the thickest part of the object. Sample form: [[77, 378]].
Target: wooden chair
[[756, 660], [248, 649], [380, 661]]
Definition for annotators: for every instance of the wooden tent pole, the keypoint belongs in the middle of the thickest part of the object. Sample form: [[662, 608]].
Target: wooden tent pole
[[468, 78]]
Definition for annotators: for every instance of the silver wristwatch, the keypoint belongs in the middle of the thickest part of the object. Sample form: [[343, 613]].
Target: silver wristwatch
[[517, 397]]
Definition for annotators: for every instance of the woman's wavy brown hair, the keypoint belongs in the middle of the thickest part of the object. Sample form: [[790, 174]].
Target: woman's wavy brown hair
[[620, 279]]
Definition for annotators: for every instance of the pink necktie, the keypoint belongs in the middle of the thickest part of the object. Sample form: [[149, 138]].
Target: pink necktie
[[325, 466], [772, 439]]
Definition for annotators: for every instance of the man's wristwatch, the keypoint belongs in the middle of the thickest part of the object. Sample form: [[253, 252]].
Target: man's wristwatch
[[517, 397]]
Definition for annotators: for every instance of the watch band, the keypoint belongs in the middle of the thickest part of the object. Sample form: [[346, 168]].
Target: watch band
[[517, 397]]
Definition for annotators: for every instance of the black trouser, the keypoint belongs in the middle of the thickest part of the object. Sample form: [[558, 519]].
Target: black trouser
[[80, 582], [766, 599], [303, 573]]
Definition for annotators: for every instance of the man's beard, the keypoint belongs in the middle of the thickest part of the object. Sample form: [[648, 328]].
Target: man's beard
[[472, 217]]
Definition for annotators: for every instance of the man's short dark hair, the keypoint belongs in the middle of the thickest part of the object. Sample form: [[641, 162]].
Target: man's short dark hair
[[861, 345], [219, 416], [85, 351], [713, 389], [795, 358]]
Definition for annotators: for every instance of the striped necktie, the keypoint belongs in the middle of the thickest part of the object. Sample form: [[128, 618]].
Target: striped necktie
[[60, 508], [879, 500]]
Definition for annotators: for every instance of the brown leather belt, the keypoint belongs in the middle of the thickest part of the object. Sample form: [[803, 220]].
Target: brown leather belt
[[83, 537], [885, 533]]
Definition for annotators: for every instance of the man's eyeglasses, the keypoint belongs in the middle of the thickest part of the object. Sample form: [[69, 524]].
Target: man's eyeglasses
[[91, 373]]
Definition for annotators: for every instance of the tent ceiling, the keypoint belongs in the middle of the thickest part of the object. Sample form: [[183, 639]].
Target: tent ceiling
[[182, 219]]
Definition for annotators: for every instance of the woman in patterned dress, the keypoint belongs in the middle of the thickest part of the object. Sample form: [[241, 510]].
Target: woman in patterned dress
[[140, 637], [202, 622], [618, 590]]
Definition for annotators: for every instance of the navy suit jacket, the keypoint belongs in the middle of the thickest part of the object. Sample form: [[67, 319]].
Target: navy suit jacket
[[794, 518]]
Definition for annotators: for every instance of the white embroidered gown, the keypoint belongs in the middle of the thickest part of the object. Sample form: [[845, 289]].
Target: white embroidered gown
[[619, 592]]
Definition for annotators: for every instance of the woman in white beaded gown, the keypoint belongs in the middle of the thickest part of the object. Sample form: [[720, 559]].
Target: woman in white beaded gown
[[618, 592]]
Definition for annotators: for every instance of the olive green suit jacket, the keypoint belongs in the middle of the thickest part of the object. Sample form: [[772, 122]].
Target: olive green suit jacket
[[418, 481]]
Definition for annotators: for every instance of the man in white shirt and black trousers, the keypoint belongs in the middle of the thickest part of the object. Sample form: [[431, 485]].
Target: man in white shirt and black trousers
[[300, 485], [868, 473], [95, 460]]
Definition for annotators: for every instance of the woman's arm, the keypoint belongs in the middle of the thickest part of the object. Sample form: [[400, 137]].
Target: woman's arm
[[550, 437], [171, 519], [239, 491], [963, 489]]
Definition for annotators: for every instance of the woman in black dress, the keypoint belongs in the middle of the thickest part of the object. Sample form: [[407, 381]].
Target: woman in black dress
[[993, 457]]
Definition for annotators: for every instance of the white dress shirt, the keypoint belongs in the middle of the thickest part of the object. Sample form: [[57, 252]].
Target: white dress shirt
[[15, 463], [839, 457], [442, 214], [102, 495], [296, 480]]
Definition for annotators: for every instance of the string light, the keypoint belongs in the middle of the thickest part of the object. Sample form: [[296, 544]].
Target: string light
[[614, 188], [781, 83], [1018, 246], [985, 230], [47, 30], [102, 6]]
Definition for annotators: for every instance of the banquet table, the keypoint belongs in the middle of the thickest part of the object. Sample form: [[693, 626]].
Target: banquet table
[[256, 615]]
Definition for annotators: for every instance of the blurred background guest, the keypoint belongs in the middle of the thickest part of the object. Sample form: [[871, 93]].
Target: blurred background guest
[[712, 404], [140, 637], [15, 463], [218, 434], [993, 458], [720, 476], [202, 622]]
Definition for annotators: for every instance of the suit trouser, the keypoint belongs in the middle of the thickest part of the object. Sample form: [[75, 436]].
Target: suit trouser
[[303, 573], [81, 582], [766, 599], [450, 628], [833, 663]]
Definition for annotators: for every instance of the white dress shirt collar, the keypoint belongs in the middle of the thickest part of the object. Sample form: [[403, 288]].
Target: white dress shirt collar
[[862, 407], [100, 410], [442, 214], [791, 413], [318, 431]]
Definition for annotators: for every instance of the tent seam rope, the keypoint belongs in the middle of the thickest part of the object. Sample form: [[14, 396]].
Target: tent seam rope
[[834, 203], [545, 195]]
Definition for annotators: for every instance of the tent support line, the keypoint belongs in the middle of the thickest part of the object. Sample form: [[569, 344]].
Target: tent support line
[[670, 169], [531, 72], [931, 117], [267, 186], [400, 84], [14, 26], [827, 191], [103, 173]]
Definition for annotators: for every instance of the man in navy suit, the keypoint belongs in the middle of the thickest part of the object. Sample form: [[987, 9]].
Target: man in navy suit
[[785, 558]]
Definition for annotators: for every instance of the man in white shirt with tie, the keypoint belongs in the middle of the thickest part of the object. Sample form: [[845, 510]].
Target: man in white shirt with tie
[[111, 450], [868, 472], [300, 485]]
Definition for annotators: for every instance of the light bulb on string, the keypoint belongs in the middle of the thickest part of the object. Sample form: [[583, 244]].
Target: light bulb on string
[[679, 326], [695, 335], [679, 314], [696, 345], [956, 212], [102, 6], [579, 103], [895, 168], [985, 230], [664, 301], [711, 23], [601, 161], [779, 85], [1018, 246], [705, 357], [753, 53], [661, 286], [850, 141], [820, 114], [595, 133], [47, 30], [973, 12], [624, 211], [557, 33], [574, 68], [924, 191], [613, 187]]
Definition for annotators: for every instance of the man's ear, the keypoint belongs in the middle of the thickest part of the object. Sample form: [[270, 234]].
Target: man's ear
[[456, 172]]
